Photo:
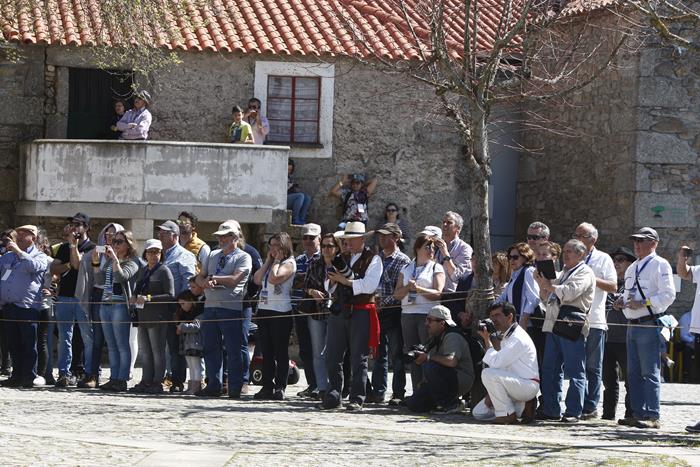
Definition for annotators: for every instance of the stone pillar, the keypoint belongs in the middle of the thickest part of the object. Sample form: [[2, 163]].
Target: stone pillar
[[142, 229]]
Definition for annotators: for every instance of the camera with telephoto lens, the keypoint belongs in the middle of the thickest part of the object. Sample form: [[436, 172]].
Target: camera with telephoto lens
[[412, 354], [342, 267], [488, 325]]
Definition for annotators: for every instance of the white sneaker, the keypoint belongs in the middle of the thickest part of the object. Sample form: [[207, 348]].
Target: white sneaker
[[39, 381]]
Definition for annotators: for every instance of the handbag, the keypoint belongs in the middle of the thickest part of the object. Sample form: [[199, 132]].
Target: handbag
[[570, 321]]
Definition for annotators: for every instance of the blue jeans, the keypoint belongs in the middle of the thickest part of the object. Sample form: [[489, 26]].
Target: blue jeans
[[178, 364], [318, 328], [299, 203], [235, 336], [390, 348], [595, 346], [559, 351], [116, 325], [69, 311], [643, 376]]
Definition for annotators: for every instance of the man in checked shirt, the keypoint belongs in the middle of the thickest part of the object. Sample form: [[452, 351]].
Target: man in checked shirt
[[390, 338]]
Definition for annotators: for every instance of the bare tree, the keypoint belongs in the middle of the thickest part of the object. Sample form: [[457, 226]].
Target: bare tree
[[675, 21], [480, 54]]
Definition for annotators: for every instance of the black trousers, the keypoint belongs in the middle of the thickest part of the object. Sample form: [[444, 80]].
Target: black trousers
[[341, 330], [275, 328], [21, 335], [614, 359]]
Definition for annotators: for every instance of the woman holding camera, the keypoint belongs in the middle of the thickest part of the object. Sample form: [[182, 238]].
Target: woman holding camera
[[275, 315], [318, 294], [419, 287], [117, 274], [155, 290]]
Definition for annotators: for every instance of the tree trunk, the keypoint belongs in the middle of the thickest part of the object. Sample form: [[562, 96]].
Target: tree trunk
[[479, 163]]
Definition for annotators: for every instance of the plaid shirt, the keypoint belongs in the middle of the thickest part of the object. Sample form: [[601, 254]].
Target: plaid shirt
[[393, 265]]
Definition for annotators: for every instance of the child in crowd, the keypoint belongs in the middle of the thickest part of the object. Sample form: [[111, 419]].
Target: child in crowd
[[240, 131], [188, 328]]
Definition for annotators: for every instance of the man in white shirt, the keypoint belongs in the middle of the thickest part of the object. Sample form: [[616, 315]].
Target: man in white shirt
[[605, 282], [355, 319], [512, 377], [649, 291]]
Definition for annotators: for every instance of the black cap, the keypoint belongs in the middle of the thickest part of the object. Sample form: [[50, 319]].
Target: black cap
[[626, 252], [80, 217], [646, 233], [390, 229]]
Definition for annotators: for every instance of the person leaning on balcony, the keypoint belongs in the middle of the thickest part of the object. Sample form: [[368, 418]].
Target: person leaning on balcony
[[240, 131], [136, 122], [256, 120]]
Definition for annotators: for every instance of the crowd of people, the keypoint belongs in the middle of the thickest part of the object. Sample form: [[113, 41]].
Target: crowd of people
[[559, 312]]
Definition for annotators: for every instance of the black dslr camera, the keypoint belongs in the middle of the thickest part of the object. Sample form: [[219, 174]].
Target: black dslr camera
[[488, 325], [411, 355]]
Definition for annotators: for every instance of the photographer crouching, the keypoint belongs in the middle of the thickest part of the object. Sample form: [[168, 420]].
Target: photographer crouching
[[512, 378], [446, 363]]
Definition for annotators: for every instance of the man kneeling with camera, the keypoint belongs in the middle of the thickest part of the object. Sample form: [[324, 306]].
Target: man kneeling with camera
[[512, 378], [446, 364]]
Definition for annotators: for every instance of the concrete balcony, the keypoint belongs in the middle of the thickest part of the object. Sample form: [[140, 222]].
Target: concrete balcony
[[149, 180]]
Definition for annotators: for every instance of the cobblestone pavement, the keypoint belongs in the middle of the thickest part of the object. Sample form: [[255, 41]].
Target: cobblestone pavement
[[44, 426]]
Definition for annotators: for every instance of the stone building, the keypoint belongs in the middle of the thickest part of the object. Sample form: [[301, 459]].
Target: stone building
[[634, 163]]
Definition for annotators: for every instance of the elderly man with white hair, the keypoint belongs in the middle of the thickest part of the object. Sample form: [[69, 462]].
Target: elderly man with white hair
[[453, 253], [568, 299], [606, 282]]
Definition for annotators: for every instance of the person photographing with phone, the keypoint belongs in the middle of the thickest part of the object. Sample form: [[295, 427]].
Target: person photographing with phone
[[258, 123]]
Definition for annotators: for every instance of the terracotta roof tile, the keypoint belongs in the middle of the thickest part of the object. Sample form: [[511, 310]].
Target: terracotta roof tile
[[282, 27]]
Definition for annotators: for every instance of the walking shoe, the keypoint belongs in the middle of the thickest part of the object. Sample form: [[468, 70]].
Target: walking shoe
[[177, 388], [328, 406], [119, 386], [608, 416], [28, 384], [109, 385], [89, 382], [395, 400], [263, 394], [306, 393], [627, 421], [39, 381], [650, 423], [155, 388], [278, 395], [245, 389], [207, 392], [11, 383], [506, 419], [544, 416], [528, 415], [455, 406], [62, 381], [353, 407], [569, 419], [589, 415], [139, 388], [693, 428]]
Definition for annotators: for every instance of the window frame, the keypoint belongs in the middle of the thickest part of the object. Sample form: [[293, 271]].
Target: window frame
[[293, 118]]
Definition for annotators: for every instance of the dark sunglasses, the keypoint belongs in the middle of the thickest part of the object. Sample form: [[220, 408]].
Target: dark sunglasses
[[536, 237], [118, 241], [514, 257], [309, 237]]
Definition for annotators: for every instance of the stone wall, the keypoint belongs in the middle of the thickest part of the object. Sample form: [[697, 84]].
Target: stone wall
[[635, 163]]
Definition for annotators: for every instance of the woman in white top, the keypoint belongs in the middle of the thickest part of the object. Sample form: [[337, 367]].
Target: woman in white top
[[419, 288], [275, 315], [522, 290]]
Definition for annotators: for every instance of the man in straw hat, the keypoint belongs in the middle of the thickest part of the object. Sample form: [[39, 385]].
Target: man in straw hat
[[356, 273]]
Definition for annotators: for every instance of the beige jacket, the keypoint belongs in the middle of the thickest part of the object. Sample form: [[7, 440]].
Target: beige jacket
[[576, 290]]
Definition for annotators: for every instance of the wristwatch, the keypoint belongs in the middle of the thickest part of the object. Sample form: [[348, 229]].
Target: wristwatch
[[446, 258]]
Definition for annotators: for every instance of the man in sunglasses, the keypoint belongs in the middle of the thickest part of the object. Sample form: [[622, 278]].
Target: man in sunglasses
[[254, 117], [606, 282], [446, 364], [649, 291], [537, 232]]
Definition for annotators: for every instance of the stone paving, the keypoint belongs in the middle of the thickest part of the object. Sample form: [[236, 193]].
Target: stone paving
[[45, 426]]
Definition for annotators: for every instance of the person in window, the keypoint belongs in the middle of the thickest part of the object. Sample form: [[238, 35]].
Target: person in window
[[240, 132], [119, 111], [354, 193], [258, 122], [136, 122], [298, 201]]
